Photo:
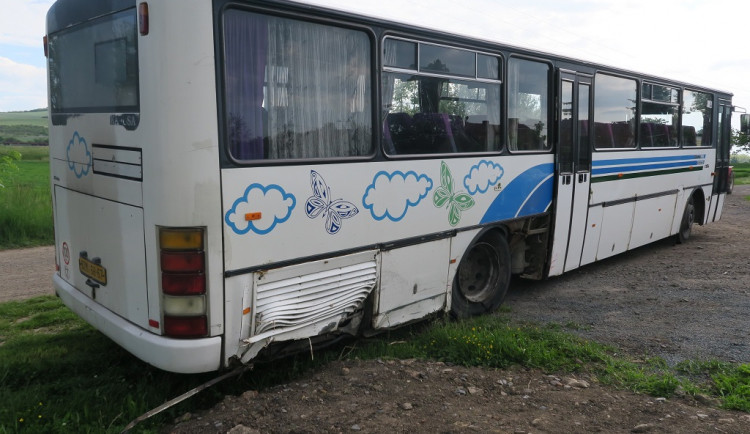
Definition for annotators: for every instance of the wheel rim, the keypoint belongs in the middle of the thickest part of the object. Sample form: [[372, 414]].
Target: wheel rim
[[479, 272]]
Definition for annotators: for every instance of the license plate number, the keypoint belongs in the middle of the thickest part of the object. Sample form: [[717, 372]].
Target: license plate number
[[93, 271]]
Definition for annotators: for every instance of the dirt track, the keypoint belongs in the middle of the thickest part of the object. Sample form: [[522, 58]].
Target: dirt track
[[26, 272]]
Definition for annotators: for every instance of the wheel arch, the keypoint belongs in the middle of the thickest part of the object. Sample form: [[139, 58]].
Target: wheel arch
[[699, 201]]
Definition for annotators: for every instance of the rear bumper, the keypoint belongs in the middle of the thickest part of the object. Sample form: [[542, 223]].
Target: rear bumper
[[186, 356]]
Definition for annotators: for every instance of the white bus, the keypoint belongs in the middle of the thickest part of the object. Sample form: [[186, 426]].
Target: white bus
[[235, 179]]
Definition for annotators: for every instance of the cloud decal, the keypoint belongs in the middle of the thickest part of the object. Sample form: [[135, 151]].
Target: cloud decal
[[391, 194], [269, 206], [482, 176], [79, 156]]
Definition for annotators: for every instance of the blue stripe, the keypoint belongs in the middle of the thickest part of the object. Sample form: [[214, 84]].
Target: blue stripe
[[621, 169], [523, 192], [646, 160], [540, 200]]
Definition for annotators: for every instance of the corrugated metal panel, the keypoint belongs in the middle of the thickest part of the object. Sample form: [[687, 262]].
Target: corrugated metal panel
[[290, 303]]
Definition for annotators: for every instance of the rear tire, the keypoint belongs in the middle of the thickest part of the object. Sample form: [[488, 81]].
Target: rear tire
[[688, 218], [482, 278]]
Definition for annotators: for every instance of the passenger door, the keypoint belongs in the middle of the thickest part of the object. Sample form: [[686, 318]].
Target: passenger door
[[723, 146], [573, 171]]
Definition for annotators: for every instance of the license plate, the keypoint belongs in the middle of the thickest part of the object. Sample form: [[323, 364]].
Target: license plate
[[93, 271]]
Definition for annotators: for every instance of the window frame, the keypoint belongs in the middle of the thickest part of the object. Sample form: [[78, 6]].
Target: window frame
[[455, 77], [637, 106], [551, 105], [221, 46], [650, 100], [711, 100]]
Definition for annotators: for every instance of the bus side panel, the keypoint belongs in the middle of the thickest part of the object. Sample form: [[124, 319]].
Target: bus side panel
[[593, 233], [615, 232], [653, 220], [412, 283], [716, 215]]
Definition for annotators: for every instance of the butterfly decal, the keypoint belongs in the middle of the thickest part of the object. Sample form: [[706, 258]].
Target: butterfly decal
[[456, 201], [334, 211]]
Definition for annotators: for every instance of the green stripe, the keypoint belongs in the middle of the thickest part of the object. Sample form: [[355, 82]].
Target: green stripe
[[644, 174]]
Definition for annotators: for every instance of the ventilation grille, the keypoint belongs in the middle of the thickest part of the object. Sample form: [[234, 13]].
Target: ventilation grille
[[287, 304]]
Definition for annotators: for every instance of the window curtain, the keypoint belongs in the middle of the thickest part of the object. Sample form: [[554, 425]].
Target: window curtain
[[246, 45], [298, 89]]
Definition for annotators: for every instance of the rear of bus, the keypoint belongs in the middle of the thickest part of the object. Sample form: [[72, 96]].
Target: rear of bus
[[135, 176]]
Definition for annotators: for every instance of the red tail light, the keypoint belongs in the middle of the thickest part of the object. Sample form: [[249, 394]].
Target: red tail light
[[46, 46], [183, 281], [182, 262], [183, 284], [186, 326]]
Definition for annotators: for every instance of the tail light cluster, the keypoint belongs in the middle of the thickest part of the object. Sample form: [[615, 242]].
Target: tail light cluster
[[183, 282]]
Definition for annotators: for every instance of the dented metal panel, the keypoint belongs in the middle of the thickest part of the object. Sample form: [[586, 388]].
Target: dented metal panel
[[291, 298]]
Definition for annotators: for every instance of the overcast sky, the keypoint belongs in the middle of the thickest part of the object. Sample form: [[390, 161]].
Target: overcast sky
[[698, 41]]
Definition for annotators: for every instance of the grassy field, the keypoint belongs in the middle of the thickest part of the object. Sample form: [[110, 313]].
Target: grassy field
[[34, 117], [24, 127], [57, 374], [741, 173], [25, 202]]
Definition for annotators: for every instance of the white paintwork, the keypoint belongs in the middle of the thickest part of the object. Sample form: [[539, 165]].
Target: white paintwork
[[176, 355], [412, 275], [122, 256], [593, 233], [617, 221], [578, 219], [180, 186], [652, 220], [563, 213]]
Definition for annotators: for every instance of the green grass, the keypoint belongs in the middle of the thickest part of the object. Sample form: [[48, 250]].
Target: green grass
[[24, 127], [57, 374], [25, 202], [34, 117], [741, 173]]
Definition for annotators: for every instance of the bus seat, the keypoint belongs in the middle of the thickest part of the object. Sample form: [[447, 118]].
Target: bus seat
[[434, 133], [660, 135], [477, 129], [623, 135], [689, 135], [646, 139], [603, 135], [398, 133]]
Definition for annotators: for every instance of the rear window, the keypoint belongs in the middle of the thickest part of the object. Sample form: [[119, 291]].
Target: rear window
[[93, 67]]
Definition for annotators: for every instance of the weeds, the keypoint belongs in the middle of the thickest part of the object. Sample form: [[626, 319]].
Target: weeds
[[26, 205]]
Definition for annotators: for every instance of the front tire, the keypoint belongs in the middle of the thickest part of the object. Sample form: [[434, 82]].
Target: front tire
[[482, 278], [688, 218]]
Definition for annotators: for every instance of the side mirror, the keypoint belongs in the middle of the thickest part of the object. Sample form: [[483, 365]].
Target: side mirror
[[745, 123]]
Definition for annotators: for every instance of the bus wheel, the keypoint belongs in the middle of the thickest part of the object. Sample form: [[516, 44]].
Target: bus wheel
[[688, 218], [482, 277]]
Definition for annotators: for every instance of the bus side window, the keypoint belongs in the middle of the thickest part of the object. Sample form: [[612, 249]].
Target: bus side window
[[697, 114], [528, 105], [614, 111], [439, 100]]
